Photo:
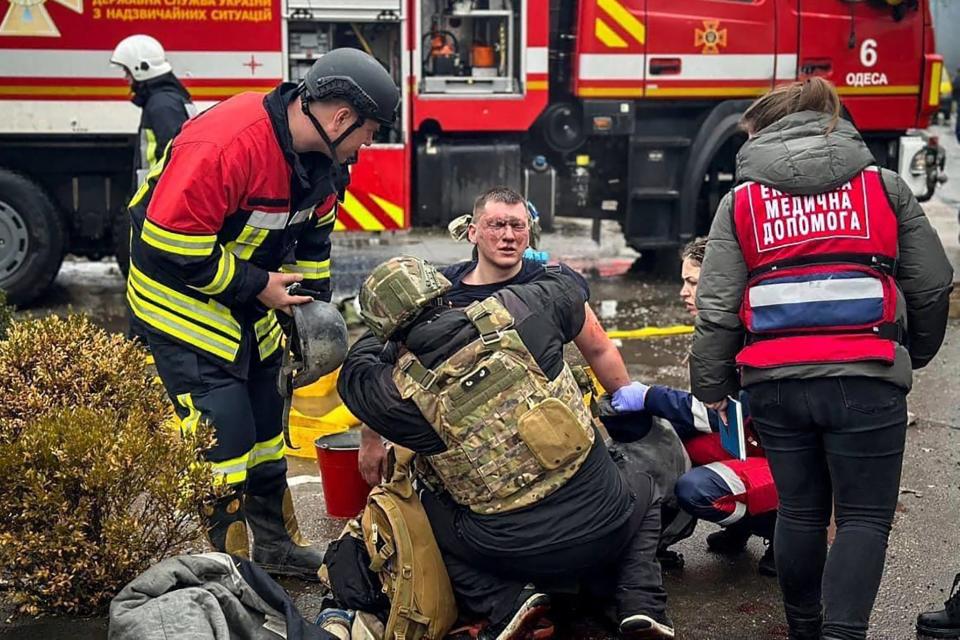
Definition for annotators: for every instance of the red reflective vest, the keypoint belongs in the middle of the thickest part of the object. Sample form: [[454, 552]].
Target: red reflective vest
[[820, 286]]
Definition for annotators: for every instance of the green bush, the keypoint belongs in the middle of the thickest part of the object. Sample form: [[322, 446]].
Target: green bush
[[96, 482], [6, 314]]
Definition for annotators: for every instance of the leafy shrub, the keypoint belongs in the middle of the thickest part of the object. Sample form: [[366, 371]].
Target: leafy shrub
[[96, 483], [6, 315]]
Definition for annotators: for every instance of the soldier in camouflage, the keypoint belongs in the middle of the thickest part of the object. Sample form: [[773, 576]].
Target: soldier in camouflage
[[519, 489]]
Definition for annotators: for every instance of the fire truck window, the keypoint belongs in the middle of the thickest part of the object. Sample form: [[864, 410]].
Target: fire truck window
[[308, 39], [470, 46]]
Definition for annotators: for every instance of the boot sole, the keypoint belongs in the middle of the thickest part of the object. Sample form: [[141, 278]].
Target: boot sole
[[936, 633], [288, 572], [524, 622], [655, 631]]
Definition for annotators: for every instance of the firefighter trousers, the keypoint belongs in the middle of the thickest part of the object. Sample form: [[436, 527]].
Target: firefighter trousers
[[246, 412]]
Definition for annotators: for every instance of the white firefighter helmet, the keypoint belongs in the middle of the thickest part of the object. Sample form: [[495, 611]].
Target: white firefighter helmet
[[142, 56]]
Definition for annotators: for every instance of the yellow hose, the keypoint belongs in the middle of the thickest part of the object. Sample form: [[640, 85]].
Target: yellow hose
[[650, 332]]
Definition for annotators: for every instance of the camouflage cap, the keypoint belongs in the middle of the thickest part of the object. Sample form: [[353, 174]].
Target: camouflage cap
[[395, 292]]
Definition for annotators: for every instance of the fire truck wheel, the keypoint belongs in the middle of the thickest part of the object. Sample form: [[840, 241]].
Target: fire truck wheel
[[121, 240], [32, 239]]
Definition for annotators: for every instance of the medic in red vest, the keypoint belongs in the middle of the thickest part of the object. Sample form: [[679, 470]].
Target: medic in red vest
[[822, 286]]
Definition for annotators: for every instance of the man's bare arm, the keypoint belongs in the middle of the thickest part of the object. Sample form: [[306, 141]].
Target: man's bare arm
[[601, 354]]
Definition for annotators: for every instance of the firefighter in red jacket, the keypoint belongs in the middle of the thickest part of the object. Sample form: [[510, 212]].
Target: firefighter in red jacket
[[824, 283], [240, 207]]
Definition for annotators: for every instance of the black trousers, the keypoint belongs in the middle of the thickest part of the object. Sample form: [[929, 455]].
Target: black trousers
[[246, 412], [621, 564], [832, 441]]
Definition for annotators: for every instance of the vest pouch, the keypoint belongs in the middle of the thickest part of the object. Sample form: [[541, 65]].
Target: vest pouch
[[553, 434], [492, 379]]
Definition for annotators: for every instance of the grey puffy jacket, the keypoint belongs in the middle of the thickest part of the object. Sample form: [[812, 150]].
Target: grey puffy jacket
[[794, 156]]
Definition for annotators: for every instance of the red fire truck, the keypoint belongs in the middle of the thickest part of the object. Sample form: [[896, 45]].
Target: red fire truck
[[606, 109]]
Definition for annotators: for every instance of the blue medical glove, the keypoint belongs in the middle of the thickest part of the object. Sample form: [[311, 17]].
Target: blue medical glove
[[630, 398], [540, 256]]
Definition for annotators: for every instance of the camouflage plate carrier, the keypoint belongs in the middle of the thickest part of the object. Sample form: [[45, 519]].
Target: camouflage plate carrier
[[513, 437]]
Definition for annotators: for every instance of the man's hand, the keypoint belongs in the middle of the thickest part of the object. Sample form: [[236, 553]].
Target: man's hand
[[720, 407], [372, 457], [275, 296], [630, 397]]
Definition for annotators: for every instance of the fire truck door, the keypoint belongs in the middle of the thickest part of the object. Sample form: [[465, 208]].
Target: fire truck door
[[874, 58], [711, 48]]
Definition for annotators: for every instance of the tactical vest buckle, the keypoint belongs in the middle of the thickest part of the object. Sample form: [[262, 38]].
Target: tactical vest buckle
[[491, 338], [420, 374]]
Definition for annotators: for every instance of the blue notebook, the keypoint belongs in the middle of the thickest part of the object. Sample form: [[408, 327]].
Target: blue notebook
[[732, 436]]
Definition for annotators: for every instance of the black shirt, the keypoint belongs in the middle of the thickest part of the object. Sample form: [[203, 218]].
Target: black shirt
[[462, 294], [591, 504]]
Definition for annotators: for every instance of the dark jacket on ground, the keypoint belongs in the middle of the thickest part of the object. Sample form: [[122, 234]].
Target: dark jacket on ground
[[794, 156], [165, 105], [591, 504]]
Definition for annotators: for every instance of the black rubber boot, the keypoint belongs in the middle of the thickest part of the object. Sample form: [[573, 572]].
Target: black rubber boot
[[731, 540], [944, 623], [225, 524], [670, 559], [278, 547]]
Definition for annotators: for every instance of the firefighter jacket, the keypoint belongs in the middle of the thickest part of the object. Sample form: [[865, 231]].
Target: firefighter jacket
[[512, 435], [165, 105], [818, 264], [229, 202]]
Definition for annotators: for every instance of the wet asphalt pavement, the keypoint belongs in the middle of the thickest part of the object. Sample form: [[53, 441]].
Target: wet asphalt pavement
[[711, 598]]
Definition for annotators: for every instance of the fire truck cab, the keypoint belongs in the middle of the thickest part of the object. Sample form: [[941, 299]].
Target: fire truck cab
[[628, 109]]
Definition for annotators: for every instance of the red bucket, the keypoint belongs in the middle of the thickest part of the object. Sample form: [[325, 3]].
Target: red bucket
[[344, 489]]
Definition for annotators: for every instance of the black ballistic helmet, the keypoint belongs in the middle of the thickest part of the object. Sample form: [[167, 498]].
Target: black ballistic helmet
[[356, 77]]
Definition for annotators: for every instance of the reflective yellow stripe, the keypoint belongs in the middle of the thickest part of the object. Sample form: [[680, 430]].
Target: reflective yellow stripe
[[608, 36], [263, 326], [150, 153], [247, 242], [329, 218], [226, 268], [270, 343], [936, 70], [268, 333], [268, 451], [232, 471], [625, 19], [166, 322], [211, 313], [189, 424], [154, 172], [178, 243], [310, 269]]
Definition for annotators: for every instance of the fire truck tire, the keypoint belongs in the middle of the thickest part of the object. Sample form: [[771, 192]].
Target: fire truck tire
[[33, 237], [121, 240]]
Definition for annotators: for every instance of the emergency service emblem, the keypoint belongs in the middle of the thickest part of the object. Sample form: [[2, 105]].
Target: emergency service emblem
[[711, 37], [31, 18]]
